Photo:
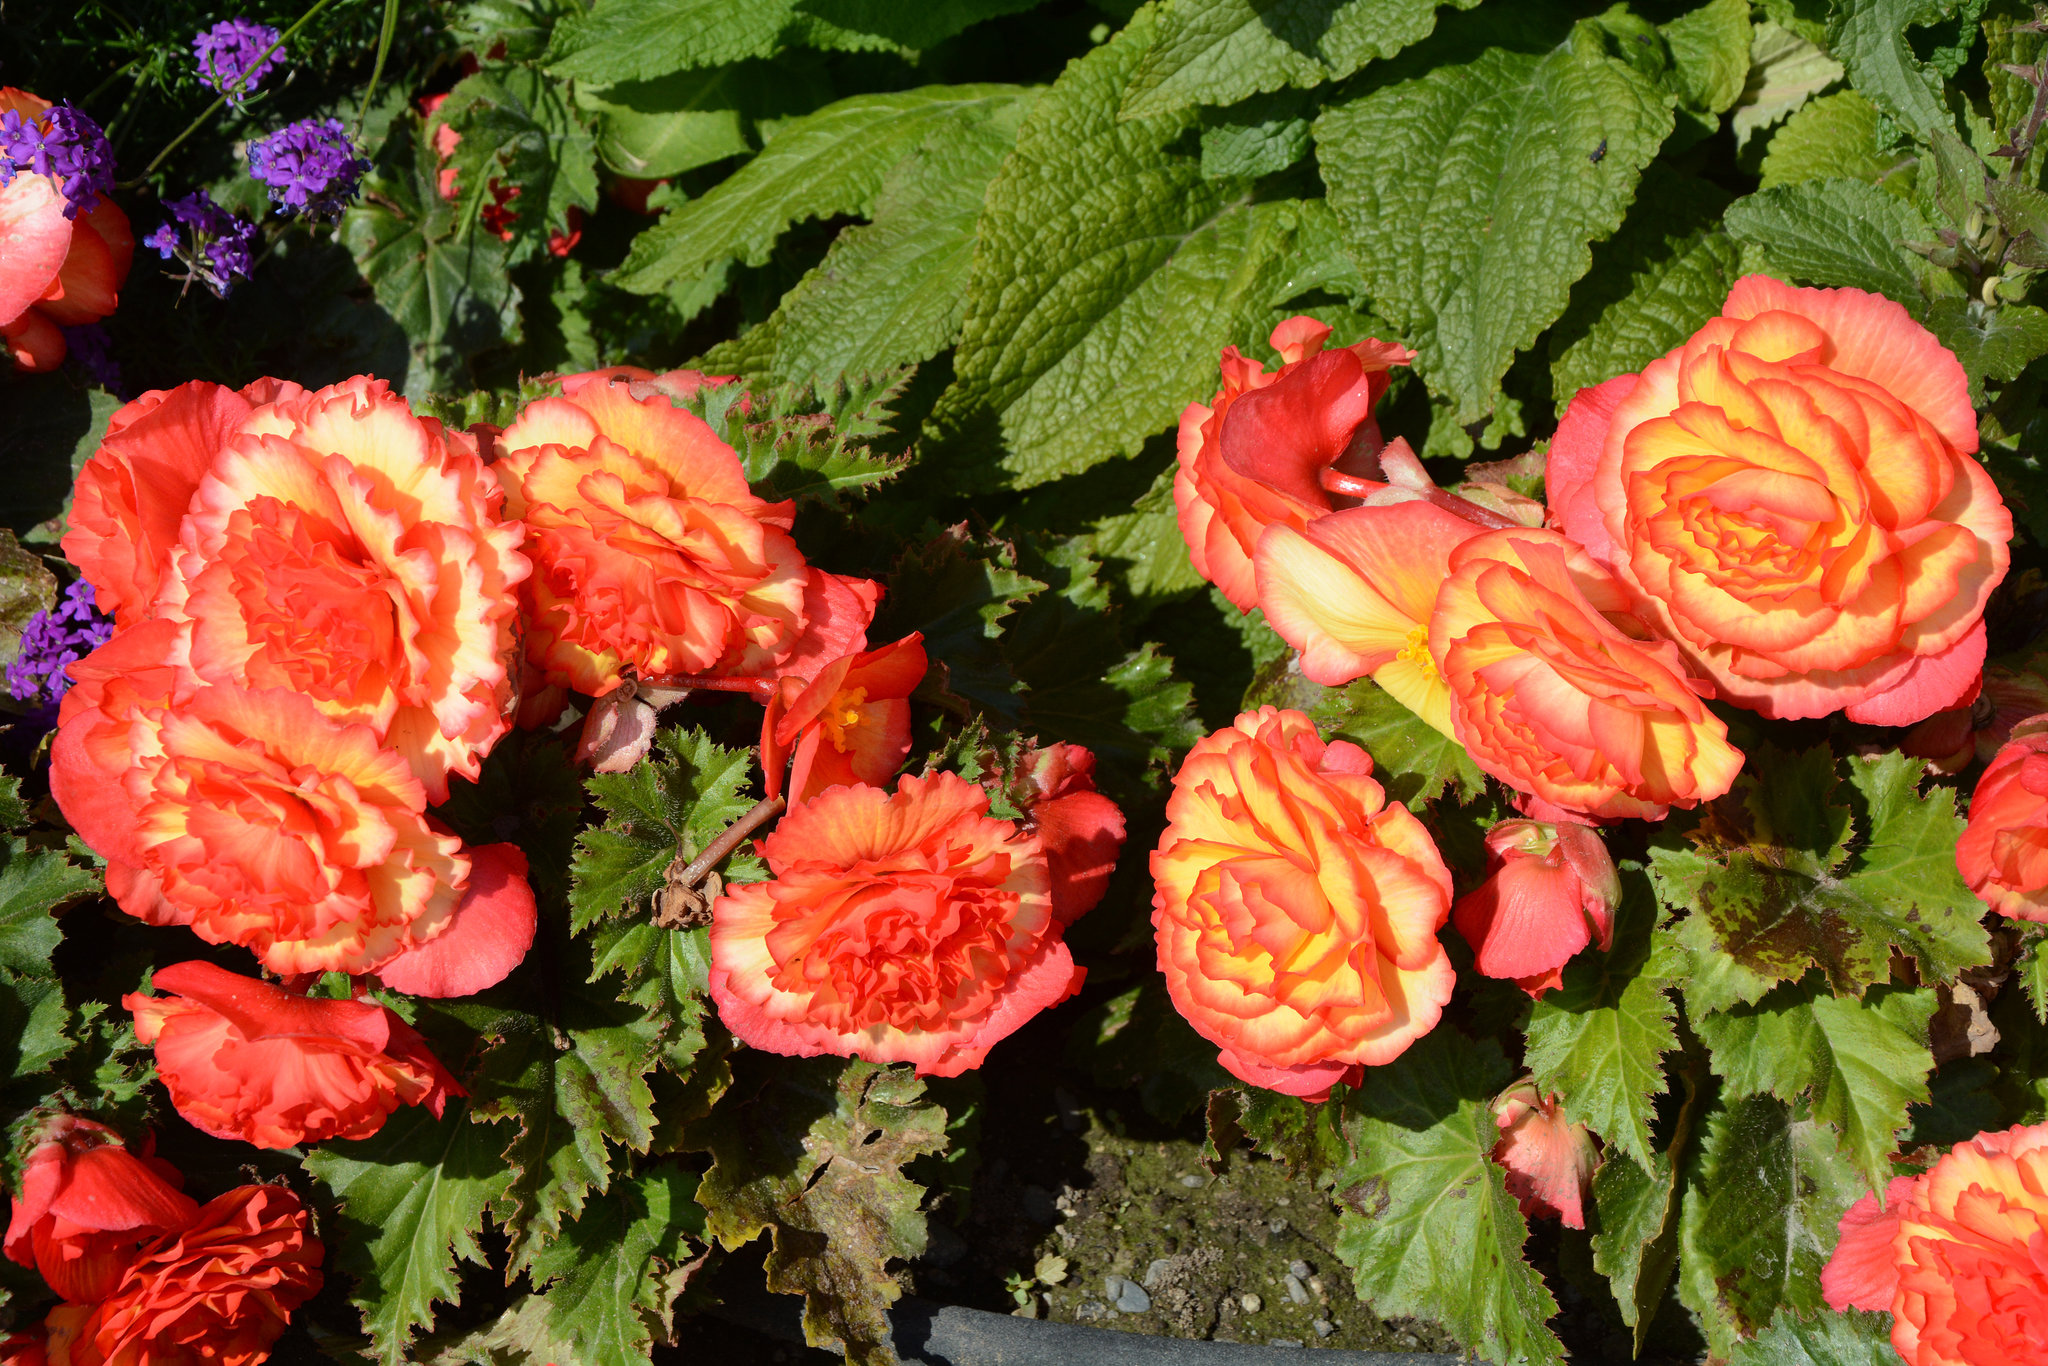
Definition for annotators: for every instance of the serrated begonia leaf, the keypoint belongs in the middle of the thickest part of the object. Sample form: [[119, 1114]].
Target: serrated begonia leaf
[[1599, 1040], [614, 1270], [33, 1021], [1761, 1206], [1823, 1338], [1428, 1226], [1636, 1246], [1413, 760], [666, 974], [1308, 1139], [800, 441], [1470, 197], [2031, 967], [1992, 343], [959, 593], [34, 883], [812, 1153]]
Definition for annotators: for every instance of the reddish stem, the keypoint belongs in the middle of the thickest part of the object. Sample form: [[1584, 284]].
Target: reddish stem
[[763, 811], [758, 687]]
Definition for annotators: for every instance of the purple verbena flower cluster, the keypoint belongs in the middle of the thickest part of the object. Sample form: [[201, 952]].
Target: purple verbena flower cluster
[[310, 166], [218, 250], [63, 143], [90, 348], [69, 631], [235, 55]]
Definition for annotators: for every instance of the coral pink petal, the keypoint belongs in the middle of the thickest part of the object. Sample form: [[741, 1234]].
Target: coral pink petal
[[489, 936], [1574, 457], [1934, 683], [1310, 1081], [102, 1192], [837, 610], [35, 236], [260, 1010], [33, 342], [1524, 921], [1082, 834], [1862, 1273], [1285, 434]]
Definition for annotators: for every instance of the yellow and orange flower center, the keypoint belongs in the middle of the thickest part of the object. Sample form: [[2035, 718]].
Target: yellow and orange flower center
[[841, 714]]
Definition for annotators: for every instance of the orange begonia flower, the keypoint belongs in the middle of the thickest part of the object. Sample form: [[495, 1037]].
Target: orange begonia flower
[[1563, 695], [55, 272], [2003, 854], [246, 1060], [1296, 912], [849, 724], [897, 927], [1790, 496], [1254, 456], [86, 1205]]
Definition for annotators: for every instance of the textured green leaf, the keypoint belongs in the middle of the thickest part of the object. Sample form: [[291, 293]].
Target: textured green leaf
[[652, 129], [1841, 232], [14, 812], [1470, 197], [812, 1153], [1414, 760], [636, 40], [811, 442], [1869, 36], [1107, 274], [1257, 137], [1710, 54], [1599, 1040], [1775, 889], [517, 128], [1428, 1226], [894, 291], [33, 883], [1759, 1218], [1992, 343], [26, 587], [834, 161], [614, 1269], [1653, 284], [1825, 1338], [1857, 1064], [1833, 136], [667, 976], [1786, 69], [33, 1019], [1636, 1247], [1219, 51], [958, 593], [412, 1202], [677, 800]]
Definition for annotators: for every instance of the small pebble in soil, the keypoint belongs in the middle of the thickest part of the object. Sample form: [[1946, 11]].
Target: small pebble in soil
[[1301, 1270], [1296, 1291], [1128, 1295], [1283, 1342], [1157, 1269], [1323, 1327], [1276, 1227], [1317, 1288], [1251, 1304], [1088, 1309], [1191, 1181]]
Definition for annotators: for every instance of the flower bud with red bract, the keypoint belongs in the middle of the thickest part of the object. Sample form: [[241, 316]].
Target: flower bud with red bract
[[1549, 1160], [1550, 890], [246, 1060], [86, 1205], [2003, 854]]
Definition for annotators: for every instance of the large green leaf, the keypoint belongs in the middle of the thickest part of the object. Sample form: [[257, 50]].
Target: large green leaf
[[1220, 51], [1710, 55], [1108, 273], [1833, 136], [1599, 1040], [1856, 1064], [33, 883], [1761, 1207], [1786, 69], [1636, 1242], [1428, 1226], [812, 1153], [518, 128], [1825, 1338], [636, 40], [33, 1021], [1415, 761], [834, 161], [615, 1269], [663, 127], [1869, 36], [1471, 194], [1841, 232], [412, 1202]]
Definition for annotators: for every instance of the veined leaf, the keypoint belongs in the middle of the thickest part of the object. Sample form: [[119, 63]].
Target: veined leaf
[[1636, 1245], [33, 1020], [1220, 51], [1825, 1338], [1785, 70], [614, 1270], [1428, 1226], [834, 161], [1413, 760], [806, 442], [517, 127], [33, 883], [1470, 197], [637, 40], [1833, 136], [1870, 38], [1710, 55], [1841, 232]]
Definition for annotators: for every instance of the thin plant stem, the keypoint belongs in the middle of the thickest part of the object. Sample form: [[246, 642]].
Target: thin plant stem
[[714, 853], [384, 37]]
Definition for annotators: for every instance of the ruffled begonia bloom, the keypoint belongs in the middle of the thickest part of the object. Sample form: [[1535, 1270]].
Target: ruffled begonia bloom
[[247, 1060], [86, 1205], [1549, 1160], [2003, 854], [254, 819], [59, 267], [1253, 456], [1081, 829], [1955, 1255], [1353, 592], [1790, 495], [220, 1292], [651, 554], [1550, 890], [332, 544], [1296, 912], [849, 724], [1562, 693], [897, 927]]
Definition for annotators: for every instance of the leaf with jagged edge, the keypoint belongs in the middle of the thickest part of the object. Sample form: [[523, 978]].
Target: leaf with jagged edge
[[1635, 1241], [614, 1270], [1759, 1218], [33, 884], [810, 442], [33, 1021], [1220, 51], [1471, 195], [1835, 135], [1823, 1338], [1413, 760], [834, 161], [1599, 1040], [2031, 967], [1840, 231], [1107, 273], [677, 800], [413, 1199], [812, 1153], [666, 975], [637, 40], [1856, 1064], [1428, 1226], [960, 592], [1869, 37]]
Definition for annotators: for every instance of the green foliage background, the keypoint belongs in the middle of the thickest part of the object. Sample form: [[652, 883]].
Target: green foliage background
[[973, 258]]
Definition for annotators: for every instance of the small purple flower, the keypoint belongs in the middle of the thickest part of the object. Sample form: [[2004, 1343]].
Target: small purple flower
[[310, 166], [92, 350], [235, 55], [69, 631], [218, 250], [63, 143]]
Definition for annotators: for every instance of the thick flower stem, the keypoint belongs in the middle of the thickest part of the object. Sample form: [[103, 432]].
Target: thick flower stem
[[765, 810]]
